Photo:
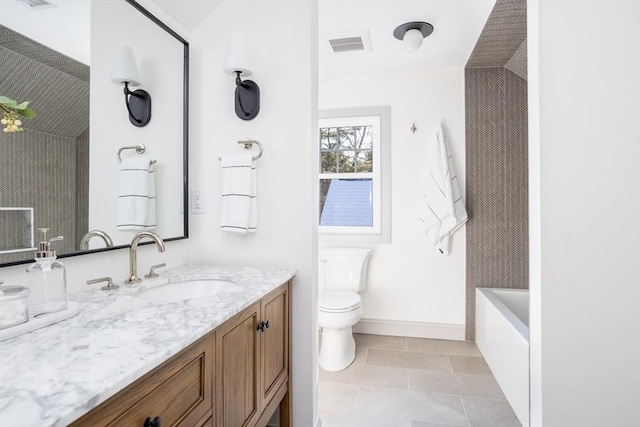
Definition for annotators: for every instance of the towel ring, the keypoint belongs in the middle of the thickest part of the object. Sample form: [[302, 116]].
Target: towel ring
[[248, 145], [140, 149]]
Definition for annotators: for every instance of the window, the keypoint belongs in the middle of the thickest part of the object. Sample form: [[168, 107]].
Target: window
[[353, 191]]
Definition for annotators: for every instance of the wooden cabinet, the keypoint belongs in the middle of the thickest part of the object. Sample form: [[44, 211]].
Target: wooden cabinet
[[178, 392], [237, 369], [236, 376], [252, 351]]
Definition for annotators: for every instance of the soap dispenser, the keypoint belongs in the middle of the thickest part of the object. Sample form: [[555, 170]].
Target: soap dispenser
[[47, 280]]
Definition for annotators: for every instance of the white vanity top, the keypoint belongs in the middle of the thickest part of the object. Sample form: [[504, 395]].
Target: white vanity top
[[54, 375]]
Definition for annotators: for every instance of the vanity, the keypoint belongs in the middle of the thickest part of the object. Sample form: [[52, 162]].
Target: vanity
[[129, 360]]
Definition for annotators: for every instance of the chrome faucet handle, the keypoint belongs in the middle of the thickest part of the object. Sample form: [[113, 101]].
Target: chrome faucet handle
[[152, 274], [110, 286]]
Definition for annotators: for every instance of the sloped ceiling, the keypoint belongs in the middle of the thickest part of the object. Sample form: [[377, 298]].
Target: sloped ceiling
[[56, 86], [503, 39]]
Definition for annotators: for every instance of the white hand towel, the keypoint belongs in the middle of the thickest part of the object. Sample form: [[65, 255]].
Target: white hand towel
[[137, 197], [239, 212], [444, 210]]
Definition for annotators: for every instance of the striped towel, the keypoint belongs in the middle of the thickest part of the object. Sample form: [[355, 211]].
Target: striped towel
[[137, 197], [444, 210], [239, 210]]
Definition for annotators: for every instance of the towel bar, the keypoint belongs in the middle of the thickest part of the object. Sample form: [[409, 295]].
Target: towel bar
[[140, 148]]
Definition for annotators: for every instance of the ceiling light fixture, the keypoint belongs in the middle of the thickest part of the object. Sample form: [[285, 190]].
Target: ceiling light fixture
[[412, 34]]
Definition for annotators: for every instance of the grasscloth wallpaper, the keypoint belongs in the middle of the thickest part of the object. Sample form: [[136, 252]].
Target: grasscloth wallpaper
[[497, 157], [45, 166]]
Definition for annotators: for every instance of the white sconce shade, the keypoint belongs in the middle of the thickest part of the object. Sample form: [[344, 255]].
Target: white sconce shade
[[412, 40], [238, 56], [125, 68]]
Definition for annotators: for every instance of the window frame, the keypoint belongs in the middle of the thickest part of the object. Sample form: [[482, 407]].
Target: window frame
[[380, 231]]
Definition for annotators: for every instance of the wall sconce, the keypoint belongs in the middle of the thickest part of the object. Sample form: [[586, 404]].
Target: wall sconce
[[138, 102], [247, 94], [412, 34]]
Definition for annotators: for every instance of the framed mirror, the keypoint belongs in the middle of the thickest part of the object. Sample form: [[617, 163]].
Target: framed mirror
[[62, 170]]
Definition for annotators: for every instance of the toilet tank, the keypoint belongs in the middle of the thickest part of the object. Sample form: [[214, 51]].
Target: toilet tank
[[343, 268]]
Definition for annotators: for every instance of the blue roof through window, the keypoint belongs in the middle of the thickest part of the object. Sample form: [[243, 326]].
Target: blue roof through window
[[348, 204]]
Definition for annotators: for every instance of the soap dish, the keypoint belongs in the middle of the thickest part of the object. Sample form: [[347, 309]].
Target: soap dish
[[72, 309]]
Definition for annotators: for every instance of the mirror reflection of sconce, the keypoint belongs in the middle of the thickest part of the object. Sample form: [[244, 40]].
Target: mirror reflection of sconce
[[247, 94], [138, 102]]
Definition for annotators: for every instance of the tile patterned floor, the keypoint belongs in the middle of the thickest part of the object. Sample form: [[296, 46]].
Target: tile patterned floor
[[413, 382]]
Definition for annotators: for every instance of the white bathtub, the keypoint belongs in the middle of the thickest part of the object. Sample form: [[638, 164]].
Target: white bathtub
[[502, 335]]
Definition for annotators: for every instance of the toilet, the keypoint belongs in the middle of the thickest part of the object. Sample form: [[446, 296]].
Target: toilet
[[342, 274]]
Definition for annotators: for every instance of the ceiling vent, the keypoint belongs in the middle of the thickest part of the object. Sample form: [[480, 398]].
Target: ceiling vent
[[36, 4], [349, 41]]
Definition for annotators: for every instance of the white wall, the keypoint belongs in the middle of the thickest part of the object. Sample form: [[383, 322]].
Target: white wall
[[411, 288], [584, 105], [281, 36]]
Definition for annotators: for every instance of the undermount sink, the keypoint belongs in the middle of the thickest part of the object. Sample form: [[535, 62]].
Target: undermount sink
[[190, 289]]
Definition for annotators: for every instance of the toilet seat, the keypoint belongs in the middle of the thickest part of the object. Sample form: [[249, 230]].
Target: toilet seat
[[338, 301]]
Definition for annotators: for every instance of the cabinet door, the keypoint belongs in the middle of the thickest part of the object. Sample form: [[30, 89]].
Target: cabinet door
[[274, 342], [237, 349]]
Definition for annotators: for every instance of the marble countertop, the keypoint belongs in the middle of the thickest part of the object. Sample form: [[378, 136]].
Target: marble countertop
[[54, 375]]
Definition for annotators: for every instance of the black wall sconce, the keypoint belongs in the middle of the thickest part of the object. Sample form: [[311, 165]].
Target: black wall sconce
[[138, 102], [247, 93]]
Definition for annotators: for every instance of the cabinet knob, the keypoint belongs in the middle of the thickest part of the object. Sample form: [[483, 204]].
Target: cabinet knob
[[156, 422], [262, 326]]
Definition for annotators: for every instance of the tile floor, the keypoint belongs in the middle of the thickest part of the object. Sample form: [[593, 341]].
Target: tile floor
[[413, 382]]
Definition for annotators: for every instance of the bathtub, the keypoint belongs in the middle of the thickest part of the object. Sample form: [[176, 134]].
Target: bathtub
[[502, 335]]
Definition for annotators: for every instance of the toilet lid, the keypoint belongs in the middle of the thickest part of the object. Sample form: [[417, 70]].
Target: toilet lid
[[338, 301]]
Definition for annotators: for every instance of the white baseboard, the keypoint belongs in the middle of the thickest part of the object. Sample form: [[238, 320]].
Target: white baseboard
[[443, 331]]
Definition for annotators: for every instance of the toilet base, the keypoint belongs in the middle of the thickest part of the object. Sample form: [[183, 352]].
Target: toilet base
[[337, 350]]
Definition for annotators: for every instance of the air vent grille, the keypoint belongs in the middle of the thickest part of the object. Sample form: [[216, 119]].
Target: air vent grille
[[36, 4], [349, 41], [347, 44]]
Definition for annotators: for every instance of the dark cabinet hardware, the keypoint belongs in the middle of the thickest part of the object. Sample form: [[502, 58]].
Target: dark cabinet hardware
[[156, 422], [262, 326]]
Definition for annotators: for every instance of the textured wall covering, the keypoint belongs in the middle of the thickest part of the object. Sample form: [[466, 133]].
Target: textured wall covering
[[45, 166], [518, 62], [26, 47], [38, 170], [496, 183], [82, 186], [60, 99], [502, 35]]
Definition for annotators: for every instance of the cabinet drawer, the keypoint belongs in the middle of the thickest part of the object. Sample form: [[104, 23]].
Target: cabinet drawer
[[173, 401], [178, 391]]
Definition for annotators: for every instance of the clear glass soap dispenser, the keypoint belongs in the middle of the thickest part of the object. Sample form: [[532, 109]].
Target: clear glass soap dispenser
[[47, 280]]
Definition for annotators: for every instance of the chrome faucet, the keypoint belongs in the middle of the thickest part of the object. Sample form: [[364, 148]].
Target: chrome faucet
[[84, 243], [133, 253]]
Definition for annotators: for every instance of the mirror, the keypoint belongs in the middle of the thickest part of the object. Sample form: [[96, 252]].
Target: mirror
[[62, 171]]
